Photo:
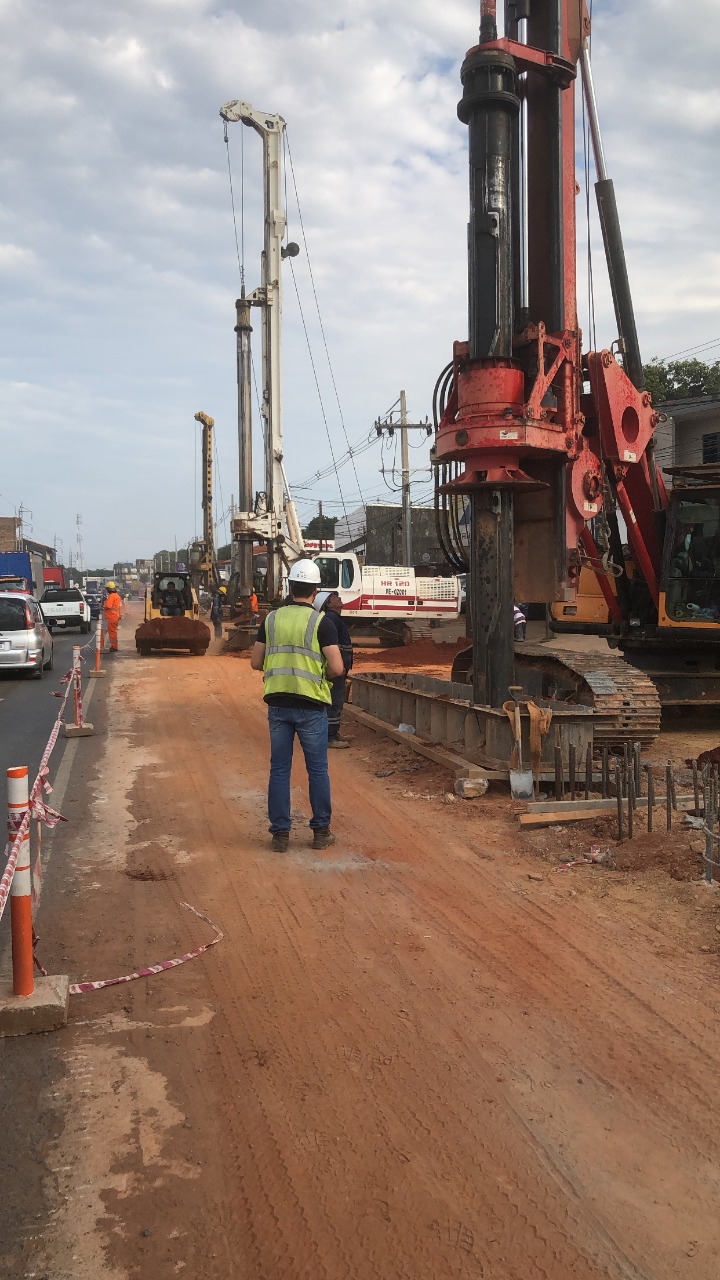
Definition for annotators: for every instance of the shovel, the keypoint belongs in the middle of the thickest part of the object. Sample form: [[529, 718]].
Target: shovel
[[521, 780]]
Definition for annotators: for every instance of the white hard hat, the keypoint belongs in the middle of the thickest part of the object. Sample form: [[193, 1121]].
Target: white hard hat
[[320, 599], [305, 571]]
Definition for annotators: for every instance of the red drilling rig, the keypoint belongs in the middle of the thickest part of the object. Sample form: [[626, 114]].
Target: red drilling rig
[[541, 447]]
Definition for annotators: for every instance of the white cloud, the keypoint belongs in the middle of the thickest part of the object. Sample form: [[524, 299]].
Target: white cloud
[[14, 257]]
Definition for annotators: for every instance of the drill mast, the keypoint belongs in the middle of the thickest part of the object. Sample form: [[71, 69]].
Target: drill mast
[[521, 443]]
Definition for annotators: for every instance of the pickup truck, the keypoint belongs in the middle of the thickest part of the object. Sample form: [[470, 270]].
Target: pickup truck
[[65, 607]]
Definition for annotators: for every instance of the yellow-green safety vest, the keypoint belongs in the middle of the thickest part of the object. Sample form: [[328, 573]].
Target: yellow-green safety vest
[[294, 662]]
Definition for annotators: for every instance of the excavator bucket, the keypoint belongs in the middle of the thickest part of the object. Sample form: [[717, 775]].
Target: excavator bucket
[[171, 617], [172, 633]]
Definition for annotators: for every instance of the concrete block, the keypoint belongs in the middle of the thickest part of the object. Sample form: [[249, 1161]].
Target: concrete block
[[470, 788], [79, 730], [45, 1010], [96, 675]]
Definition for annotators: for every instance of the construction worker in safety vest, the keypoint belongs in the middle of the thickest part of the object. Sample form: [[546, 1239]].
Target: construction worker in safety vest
[[297, 651], [112, 610]]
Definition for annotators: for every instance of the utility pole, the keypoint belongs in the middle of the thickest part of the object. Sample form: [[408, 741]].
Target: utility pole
[[320, 523], [23, 518], [390, 424], [79, 540], [407, 546]]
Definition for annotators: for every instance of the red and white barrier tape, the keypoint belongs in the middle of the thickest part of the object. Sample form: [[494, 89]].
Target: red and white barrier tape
[[79, 988], [37, 806]]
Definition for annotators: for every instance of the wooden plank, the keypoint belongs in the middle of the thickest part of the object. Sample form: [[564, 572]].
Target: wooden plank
[[568, 806], [455, 764], [558, 816], [582, 810], [684, 804]]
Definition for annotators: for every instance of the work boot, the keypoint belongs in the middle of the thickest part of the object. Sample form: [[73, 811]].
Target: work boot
[[338, 744], [280, 841], [322, 838]]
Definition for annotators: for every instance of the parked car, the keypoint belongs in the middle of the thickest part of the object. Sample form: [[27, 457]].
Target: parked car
[[65, 607], [25, 641]]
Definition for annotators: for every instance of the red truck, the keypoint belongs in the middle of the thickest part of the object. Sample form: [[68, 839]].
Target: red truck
[[54, 575]]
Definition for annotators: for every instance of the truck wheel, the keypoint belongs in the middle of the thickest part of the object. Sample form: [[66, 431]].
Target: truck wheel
[[144, 650]]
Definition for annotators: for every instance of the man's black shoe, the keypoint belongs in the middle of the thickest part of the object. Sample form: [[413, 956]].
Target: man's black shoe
[[280, 841], [322, 838]]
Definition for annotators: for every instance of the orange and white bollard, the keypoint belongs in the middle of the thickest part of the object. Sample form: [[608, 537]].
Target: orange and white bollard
[[80, 729], [21, 920], [26, 1005], [98, 650]]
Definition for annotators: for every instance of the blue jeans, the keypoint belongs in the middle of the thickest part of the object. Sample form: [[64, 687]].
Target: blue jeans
[[311, 727], [338, 688]]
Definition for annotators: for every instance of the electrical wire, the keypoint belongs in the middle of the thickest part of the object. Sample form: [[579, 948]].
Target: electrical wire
[[261, 415], [223, 518], [702, 346], [240, 258], [317, 386], [366, 441], [317, 303]]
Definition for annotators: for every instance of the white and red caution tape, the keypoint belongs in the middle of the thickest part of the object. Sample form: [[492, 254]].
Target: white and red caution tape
[[38, 808], [79, 988], [42, 812]]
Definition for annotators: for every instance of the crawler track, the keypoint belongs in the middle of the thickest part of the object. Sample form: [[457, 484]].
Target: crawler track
[[625, 701]]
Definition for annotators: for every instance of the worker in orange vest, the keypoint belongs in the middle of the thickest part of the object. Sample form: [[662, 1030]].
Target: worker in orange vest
[[254, 611], [112, 609]]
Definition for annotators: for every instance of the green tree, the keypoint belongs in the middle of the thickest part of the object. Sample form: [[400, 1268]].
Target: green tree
[[320, 527], [681, 379]]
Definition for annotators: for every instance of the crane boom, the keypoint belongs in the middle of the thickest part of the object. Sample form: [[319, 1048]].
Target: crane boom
[[207, 561], [269, 519]]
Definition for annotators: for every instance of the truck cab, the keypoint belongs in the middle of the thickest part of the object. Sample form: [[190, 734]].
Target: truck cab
[[340, 571], [386, 591]]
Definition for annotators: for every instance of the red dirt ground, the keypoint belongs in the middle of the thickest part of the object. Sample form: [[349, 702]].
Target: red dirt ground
[[424, 1054]]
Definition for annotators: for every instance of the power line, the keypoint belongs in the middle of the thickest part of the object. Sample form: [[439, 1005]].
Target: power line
[[240, 259], [317, 303], [702, 346], [365, 443], [223, 517], [317, 385]]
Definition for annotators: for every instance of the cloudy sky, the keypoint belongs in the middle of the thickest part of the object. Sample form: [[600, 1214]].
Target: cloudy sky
[[117, 249]]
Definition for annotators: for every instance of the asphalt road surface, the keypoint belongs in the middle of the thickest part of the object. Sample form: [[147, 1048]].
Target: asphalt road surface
[[28, 709]]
